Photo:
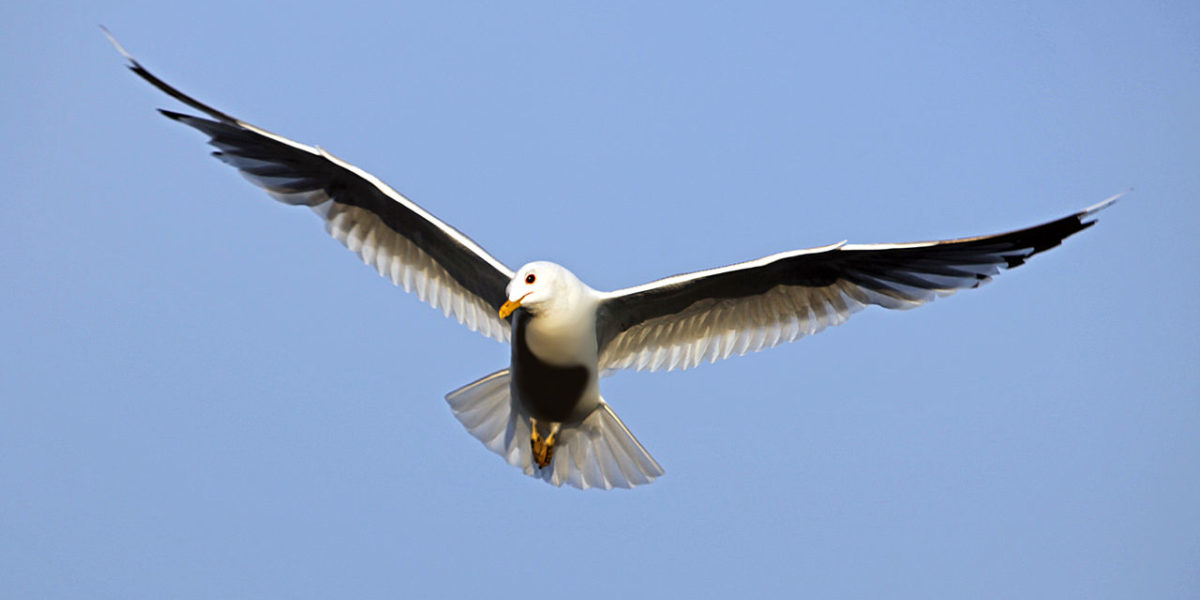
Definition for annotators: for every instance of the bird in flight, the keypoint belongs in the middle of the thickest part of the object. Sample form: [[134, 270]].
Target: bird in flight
[[544, 413]]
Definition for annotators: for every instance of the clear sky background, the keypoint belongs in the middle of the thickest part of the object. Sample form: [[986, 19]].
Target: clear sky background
[[203, 396]]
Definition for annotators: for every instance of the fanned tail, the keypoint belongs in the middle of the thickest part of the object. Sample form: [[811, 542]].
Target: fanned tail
[[599, 452], [485, 408]]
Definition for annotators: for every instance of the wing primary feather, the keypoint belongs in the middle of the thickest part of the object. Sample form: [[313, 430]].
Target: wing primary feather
[[360, 211], [679, 321]]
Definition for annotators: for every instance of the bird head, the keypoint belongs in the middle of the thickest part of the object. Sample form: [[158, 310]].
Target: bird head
[[537, 286]]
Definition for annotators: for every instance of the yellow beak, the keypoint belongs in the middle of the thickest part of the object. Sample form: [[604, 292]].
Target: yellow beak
[[510, 306]]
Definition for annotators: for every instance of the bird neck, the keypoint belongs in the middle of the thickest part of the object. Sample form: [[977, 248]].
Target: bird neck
[[561, 336]]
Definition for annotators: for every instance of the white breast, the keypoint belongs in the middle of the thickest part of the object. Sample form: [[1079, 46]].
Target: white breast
[[566, 337]]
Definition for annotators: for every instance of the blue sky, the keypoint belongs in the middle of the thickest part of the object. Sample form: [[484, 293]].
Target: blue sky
[[203, 396]]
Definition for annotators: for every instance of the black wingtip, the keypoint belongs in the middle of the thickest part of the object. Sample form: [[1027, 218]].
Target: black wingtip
[[172, 115], [163, 86]]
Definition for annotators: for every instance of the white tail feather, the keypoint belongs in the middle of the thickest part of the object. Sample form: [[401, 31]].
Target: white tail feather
[[598, 452]]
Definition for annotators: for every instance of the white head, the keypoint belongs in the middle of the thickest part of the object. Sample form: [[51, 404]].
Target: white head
[[541, 287]]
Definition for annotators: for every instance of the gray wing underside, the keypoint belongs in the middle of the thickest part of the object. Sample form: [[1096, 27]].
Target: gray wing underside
[[683, 321], [403, 242]]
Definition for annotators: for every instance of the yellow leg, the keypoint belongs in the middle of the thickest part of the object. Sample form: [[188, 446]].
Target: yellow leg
[[543, 448], [548, 448], [535, 441]]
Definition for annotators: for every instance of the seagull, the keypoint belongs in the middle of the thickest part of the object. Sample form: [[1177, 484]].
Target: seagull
[[544, 413]]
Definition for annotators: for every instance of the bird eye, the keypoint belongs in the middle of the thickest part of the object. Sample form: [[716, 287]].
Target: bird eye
[[530, 278]]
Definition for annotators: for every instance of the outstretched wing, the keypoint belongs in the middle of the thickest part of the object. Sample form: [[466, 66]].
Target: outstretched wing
[[403, 242], [681, 321]]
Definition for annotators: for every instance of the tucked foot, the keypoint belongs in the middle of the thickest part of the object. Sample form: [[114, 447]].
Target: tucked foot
[[543, 448], [535, 443]]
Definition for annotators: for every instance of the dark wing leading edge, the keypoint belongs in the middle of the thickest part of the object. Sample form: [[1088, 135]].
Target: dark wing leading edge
[[403, 242], [681, 321]]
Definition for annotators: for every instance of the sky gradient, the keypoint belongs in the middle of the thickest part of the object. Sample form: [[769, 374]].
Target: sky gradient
[[204, 396]]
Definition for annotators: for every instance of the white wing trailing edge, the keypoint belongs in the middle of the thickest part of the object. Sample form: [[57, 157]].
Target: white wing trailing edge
[[399, 239], [682, 321]]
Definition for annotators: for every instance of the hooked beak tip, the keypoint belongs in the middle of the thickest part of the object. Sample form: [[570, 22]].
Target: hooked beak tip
[[508, 307]]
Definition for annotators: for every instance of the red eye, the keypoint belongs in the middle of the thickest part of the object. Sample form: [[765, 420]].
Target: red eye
[[530, 278]]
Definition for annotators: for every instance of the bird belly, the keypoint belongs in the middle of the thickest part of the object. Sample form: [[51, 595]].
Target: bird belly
[[550, 392], [561, 393]]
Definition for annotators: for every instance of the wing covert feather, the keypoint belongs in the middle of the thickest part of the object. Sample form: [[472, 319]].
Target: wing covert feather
[[399, 239], [682, 321]]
